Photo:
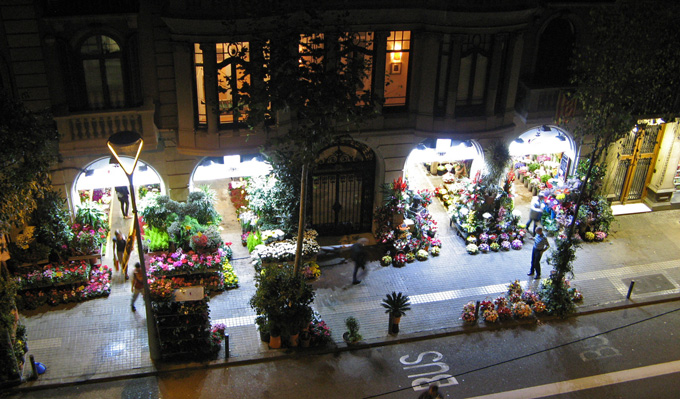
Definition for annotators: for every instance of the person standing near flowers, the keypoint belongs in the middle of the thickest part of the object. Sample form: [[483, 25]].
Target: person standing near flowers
[[119, 243], [359, 256], [137, 285], [536, 212], [123, 195], [541, 245]]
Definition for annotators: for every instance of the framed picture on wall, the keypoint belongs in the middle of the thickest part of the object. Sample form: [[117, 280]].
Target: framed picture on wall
[[395, 68]]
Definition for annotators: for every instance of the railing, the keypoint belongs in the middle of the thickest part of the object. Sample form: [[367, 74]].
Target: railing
[[88, 130], [537, 102]]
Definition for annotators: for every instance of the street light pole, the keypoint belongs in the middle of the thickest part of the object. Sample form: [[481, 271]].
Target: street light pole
[[123, 140]]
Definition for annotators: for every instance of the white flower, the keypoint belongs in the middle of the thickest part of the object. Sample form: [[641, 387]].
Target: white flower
[[464, 211], [486, 215]]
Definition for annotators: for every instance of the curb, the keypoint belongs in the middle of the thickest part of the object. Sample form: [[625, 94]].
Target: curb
[[388, 340]]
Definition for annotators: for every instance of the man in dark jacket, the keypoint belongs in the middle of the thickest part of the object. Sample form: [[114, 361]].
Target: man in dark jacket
[[359, 256]]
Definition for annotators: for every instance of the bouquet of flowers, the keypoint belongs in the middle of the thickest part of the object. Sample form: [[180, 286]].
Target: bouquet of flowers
[[399, 259], [515, 288], [472, 249], [410, 257], [435, 251], [600, 236], [468, 315], [521, 310], [486, 305], [495, 246], [484, 247], [311, 271], [516, 244], [505, 245], [538, 307], [483, 237], [319, 331], [504, 313], [421, 254], [386, 260], [501, 301], [435, 242], [490, 316]]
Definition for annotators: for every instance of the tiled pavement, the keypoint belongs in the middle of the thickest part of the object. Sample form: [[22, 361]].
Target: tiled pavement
[[102, 338]]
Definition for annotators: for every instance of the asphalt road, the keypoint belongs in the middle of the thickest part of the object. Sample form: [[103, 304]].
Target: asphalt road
[[633, 353]]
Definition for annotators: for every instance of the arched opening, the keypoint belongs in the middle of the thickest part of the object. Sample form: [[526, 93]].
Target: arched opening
[[555, 49], [341, 189]]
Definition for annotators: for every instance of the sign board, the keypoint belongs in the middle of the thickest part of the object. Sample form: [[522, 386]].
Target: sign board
[[189, 294], [564, 167]]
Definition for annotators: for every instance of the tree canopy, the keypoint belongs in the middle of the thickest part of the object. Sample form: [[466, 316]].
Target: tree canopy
[[28, 148]]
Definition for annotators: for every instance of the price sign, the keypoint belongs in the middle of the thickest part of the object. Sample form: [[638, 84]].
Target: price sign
[[189, 294], [564, 167]]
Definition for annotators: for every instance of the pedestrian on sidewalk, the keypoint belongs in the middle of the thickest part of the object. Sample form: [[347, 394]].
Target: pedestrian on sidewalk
[[541, 245], [359, 256], [123, 195], [431, 393], [137, 285], [536, 212], [119, 242]]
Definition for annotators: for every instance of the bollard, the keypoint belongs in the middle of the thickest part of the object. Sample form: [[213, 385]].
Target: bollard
[[34, 370], [630, 289], [226, 345], [477, 310]]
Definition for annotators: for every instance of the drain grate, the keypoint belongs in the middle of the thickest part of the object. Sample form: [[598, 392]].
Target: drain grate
[[651, 283]]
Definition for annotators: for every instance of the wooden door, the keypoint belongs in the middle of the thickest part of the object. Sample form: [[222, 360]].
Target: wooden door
[[636, 163]]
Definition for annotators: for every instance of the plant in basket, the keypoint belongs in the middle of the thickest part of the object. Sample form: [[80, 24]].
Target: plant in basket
[[490, 316], [435, 251], [514, 288], [484, 247], [516, 244], [386, 260], [483, 237], [410, 257], [504, 313], [468, 315], [495, 247], [399, 259], [501, 301], [486, 305], [505, 245], [472, 249], [538, 307], [521, 310], [493, 237], [529, 297], [421, 254]]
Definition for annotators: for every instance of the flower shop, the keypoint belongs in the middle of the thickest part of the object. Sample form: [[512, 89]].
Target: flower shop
[[405, 225], [450, 159], [187, 261], [283, 298]]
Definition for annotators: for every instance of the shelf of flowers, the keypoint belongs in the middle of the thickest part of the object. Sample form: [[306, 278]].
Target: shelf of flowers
[[517, 303], [483, 217], [406, 226], [184, 329], [53, 284], [273, 249]]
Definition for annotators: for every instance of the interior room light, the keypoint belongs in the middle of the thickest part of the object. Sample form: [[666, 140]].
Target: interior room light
[[396, 55]]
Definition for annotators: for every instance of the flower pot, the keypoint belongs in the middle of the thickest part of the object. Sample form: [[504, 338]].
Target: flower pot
[[264, 336], [274, 342], [394, 324], [345, 337], [293, 340]]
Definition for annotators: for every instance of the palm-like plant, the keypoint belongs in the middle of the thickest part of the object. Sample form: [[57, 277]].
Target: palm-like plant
[[396, 304]]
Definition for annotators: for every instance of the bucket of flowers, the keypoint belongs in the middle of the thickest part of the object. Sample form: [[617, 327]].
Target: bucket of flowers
[[495, 247], [516, 244], [435, 251], [468, 315], [490, 316], [501, 301], [483, 237], [538, 307], [504, 313], [399, 259], [472, 249], [421, 254], [386, 260], [521, 310], [505, 245], [472, 239], [600, 236], [410, 257], [493, 237], [484, 247], [529, 297]]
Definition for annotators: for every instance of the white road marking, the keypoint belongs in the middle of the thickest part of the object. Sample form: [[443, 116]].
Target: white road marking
[[595, 381]]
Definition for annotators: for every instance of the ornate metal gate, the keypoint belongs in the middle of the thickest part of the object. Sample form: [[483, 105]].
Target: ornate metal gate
[[342, 190], [636, 161]]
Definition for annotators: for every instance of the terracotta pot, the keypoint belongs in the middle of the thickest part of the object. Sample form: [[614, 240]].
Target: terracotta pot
[[394, 324], [274, 342]]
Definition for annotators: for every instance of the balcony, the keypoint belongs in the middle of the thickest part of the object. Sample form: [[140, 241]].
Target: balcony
[[537, 103], [87, 132]]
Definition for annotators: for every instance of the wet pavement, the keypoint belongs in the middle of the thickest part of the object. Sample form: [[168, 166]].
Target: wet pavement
[[103, 339]]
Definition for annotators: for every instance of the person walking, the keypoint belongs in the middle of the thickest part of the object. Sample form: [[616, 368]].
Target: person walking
[[541, 244], [119, 242], [123, 195], [137, 285], [359, 256], [536, 212], [431, 393]]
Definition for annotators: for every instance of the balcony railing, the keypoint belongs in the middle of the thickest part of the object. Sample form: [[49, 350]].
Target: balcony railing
[[83, 132], [540, 102]]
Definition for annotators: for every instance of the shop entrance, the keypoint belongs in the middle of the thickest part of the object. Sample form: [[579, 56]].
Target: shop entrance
[[341, 190], [636, 160]]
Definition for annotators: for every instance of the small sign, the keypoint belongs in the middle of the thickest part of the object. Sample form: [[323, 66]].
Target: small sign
[[189, 294], [564, 167]]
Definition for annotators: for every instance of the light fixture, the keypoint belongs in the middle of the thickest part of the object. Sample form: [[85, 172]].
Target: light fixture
[[519, 140], [467, 143], [560, 137], [545, 128], [421, 147], [130, 143], [396, 55]]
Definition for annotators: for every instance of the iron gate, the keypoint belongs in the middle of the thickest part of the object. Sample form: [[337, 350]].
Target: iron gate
[[635, 163], [342, 190]]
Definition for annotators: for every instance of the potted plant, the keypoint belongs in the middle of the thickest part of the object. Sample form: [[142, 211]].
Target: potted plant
[[397, 305], [263, 327], [351, 336]]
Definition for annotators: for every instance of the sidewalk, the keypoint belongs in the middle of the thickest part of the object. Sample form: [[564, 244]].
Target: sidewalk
[[102, 339]]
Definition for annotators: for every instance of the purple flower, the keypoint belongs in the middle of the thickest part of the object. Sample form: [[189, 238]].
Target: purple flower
[[483, 237], [504, 237], [516, 244], [484, 247], [505, 245]]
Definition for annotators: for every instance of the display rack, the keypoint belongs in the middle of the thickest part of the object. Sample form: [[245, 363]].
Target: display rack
[[183, 329]]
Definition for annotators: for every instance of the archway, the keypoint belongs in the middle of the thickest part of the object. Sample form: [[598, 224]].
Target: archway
[[341, 189], [99, 178]]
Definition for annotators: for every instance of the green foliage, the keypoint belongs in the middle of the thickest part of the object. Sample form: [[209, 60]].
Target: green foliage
[[254, 239], [545, 178], [157, 239], [89, 213], [180, 231], [51, 219], [533, 166], [283, 298], [352, 325], [498, 159], [156, 211], [562, 258], [201, 206], [597, 174], [274, 201], [28, 148], [396, 304], [557, 298], [8, 292]]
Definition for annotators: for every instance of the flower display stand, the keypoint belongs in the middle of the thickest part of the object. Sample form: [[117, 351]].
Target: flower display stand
[[183, 329]]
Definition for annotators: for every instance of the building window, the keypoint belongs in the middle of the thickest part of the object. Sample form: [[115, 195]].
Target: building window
[[396, 68], [102, 68], [361, 51], [200, 87], [441, 90], [474, 74]]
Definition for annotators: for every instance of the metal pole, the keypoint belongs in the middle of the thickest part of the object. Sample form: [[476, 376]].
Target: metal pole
[[154, 346], [630, 288], [301, 222]]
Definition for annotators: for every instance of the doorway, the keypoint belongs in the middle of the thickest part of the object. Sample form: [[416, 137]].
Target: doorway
[[636, 160]]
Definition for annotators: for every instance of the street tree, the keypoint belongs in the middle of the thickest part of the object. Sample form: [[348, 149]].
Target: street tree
[[307, 74], [626, 72]]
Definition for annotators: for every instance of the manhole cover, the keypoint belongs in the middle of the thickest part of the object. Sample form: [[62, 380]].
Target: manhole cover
[[651, 283]]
